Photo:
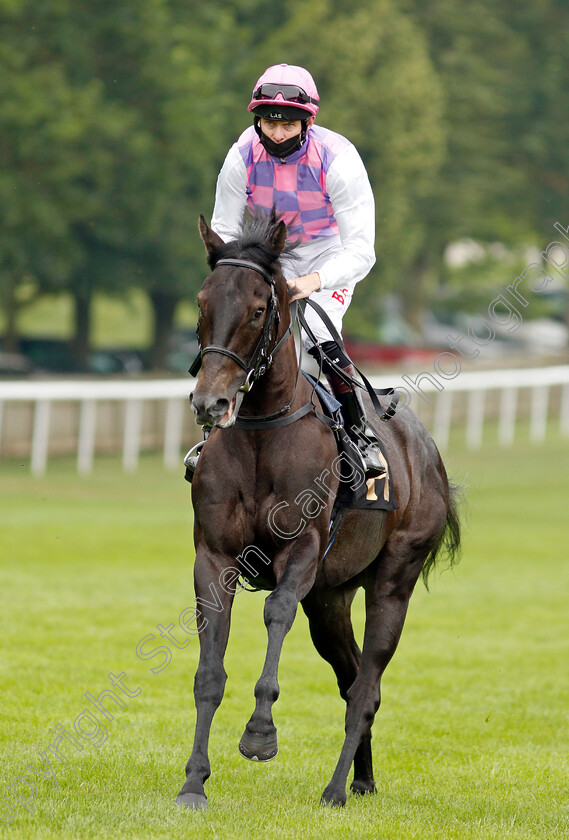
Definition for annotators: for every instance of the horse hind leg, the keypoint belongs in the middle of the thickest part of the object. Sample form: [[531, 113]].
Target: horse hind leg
[[386, 607], [363, 781], [329, 617]]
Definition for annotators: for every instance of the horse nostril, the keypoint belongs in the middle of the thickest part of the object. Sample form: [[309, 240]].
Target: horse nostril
[[220, 407], [208, 408]]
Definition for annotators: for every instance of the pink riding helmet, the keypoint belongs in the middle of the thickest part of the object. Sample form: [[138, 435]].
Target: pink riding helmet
[[298, 89]]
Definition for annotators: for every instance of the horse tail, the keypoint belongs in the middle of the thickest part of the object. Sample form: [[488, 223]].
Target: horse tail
[[448, 541]]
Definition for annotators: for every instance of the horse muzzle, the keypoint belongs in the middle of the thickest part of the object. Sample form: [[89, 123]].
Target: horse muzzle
[[211, 410]]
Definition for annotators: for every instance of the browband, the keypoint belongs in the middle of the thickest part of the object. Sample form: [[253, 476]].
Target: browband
[[248, 264]]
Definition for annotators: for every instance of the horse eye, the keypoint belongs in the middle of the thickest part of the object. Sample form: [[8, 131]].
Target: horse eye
[[258, 312]]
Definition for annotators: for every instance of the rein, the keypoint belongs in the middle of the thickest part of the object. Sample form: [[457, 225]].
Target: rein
[[373, 392], [261, 360]]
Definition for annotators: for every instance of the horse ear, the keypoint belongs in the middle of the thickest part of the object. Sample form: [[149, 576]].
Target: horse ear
[[278, 238], [209, 238]]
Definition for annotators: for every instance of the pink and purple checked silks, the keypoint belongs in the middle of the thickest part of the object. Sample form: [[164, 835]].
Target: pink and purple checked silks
[[296, 188]]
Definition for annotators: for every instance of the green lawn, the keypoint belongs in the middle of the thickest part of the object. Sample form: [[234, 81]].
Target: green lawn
[[471, 740]]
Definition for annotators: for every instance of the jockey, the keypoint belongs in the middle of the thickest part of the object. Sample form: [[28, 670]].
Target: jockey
[[316, 180]]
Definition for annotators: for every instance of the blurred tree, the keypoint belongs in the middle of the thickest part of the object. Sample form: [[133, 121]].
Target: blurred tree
[[160, 59], [480, 188], [108, 138], [48, 181], [539, 132], [115, 118]]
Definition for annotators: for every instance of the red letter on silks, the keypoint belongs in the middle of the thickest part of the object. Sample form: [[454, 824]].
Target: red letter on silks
[[340, 297]]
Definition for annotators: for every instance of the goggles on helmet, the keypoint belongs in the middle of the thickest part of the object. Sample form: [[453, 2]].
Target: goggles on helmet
[[290, 93]]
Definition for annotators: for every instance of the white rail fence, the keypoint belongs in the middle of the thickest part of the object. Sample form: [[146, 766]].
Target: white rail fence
[[428, 396]]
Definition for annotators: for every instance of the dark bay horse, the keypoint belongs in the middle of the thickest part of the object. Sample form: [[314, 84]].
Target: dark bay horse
[[253, 497]]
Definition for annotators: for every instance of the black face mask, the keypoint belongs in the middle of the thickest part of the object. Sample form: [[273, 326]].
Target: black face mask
[[287, 147]]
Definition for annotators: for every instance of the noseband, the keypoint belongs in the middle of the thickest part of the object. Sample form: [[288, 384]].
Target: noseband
[[261, 358]]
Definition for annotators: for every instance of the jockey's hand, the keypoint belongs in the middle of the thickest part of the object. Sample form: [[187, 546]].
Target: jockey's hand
[[302, 287]]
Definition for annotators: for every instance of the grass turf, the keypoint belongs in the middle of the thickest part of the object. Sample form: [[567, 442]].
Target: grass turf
[[471, 738]]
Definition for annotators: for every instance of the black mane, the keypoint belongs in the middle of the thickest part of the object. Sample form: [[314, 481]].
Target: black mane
[[253, 243]]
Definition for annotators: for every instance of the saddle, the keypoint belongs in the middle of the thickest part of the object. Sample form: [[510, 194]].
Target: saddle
[[354, 492]]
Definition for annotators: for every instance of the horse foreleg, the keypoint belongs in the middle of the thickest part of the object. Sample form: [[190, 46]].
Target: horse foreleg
[[259, 741], [214, 606]]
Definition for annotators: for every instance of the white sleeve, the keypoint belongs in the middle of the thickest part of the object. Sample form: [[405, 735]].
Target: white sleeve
[[230, 196], [352, 200]]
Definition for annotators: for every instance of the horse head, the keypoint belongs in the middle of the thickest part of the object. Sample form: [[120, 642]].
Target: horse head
[[239, 316]]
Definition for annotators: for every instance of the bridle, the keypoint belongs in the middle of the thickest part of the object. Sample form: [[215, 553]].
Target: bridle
[[262, 357]]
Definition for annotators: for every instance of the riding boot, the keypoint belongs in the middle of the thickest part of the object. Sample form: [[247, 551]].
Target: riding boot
[[356, 424], [353, 410]]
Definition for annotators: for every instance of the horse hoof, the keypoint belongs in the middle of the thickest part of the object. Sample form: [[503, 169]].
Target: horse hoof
[[193, 801], [361, 787], [258, 747], [335, 799]]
